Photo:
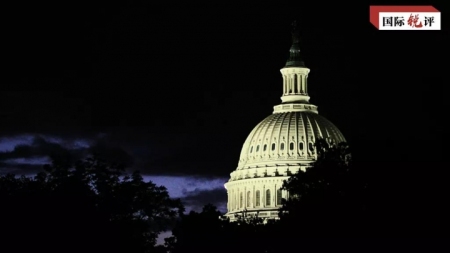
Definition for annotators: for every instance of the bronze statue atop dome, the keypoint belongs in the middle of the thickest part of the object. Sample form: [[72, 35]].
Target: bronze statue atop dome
[[295, 32], [294, 59]]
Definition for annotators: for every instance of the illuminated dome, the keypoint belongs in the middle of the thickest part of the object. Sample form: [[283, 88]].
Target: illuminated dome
[[286, 137], [279, 146]]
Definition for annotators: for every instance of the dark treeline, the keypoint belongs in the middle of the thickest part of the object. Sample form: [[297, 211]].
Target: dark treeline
[[95, 206], [89, 206]]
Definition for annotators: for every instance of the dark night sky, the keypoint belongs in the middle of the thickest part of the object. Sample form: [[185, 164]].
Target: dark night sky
[[174, 90]]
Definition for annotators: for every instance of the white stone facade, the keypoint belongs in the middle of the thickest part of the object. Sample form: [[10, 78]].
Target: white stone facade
[[255, 195]]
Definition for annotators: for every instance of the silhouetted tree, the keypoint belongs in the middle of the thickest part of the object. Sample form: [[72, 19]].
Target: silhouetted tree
[[197, 232], [328, 198], [209, 231], [89, 206]]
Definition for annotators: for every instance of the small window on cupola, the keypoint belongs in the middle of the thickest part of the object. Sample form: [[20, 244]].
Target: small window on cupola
[[265, 147], [273, 146], [251, 149], [291, 146], [300, 146], [257, 148], [311, 146], [295, 84], [282, 146]]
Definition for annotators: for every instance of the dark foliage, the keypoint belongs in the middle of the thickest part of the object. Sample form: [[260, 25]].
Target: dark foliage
[[329, 198], [89, 206], [208, 231]]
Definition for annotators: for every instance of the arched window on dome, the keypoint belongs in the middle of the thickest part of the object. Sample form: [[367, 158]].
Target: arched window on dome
[[267, 197], [301, 145], [265, 147], [273, 146], [279, 197], [311, 146], [251, 149], [258, 198], [241, 200], [248, 198], [291, 146], [282, 146], [257, 148]]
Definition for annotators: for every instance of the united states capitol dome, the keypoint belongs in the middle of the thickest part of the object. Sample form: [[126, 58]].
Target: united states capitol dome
[[280, 145], [286, 137]]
